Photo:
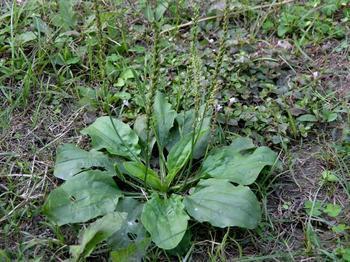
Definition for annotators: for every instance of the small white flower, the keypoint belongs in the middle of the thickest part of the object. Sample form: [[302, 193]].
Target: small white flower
[[218, 107], [315, 75], [126, 103], [211, 40], [284, 44], [232, 100]]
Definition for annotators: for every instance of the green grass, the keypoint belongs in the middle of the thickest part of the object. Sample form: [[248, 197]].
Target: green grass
[[58, 72]]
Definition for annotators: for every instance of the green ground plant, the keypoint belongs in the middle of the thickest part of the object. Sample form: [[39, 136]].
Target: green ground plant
[[89, 190], [312, 21], [164, 170]]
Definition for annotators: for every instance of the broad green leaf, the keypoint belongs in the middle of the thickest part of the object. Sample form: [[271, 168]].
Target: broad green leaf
[[165, 220], [85, 196], [160, 10], [131, 253], [282, 30], [178, 157], [307, 118], [201, 145], [132, 225], [26, 37], [329, 116], [120, 82], [140, 127], [138, 170], [71, 160], [104, 135], [88, 97], [157, 14], [313, 208], [185, 121], [222, 204], [124, 76], [73, 60], [329, 176], [130, 243], [97, 232], [182, 248], [333, 210], [164, 117], [341, 228], [149, 13], [242, 143], [41, 26], [226, 163], [127, 74]]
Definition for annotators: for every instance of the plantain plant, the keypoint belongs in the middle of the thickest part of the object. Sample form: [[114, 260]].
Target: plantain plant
[[145, 182], [112, 181]]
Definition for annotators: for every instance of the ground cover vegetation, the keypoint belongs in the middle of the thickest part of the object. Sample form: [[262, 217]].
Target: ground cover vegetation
[[174, 130]]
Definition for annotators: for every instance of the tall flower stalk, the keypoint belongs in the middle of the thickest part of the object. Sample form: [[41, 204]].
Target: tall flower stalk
[[154, 81], [215, 86], [195, 75], [100, 39]]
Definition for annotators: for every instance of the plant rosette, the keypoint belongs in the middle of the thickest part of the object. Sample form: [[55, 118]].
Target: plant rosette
[[152, 196]]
